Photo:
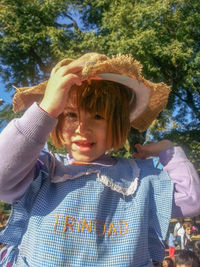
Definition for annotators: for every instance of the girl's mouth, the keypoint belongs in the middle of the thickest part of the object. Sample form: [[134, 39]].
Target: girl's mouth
[[83, 146]]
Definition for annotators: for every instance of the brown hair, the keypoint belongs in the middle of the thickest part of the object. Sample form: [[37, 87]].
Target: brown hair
[[168, 262], [108, 99], [187, 258], [187, 224]]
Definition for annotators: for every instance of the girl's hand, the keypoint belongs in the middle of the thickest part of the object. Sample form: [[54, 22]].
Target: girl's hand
[[152, 149], [59, 84]]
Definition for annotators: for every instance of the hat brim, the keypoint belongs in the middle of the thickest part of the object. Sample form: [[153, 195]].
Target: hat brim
[[140, 90], [149, 98]]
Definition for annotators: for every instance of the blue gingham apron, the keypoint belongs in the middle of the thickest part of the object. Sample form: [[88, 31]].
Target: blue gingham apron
[[91, 216]]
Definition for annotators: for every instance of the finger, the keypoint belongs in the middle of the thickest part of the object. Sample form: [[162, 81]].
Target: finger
[[70, 79], [95, 78], [139, 155], [64, 70], [78, 82], [139, 147], [136, 155]]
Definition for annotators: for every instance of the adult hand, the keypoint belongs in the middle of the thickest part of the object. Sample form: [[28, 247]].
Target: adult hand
[[152, 149]]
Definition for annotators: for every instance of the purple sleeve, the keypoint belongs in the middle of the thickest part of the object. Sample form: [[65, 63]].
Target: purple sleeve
[[186, 182], [20, 145]]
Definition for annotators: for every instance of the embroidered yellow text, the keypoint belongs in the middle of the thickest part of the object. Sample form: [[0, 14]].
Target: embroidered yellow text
[[99, 227]]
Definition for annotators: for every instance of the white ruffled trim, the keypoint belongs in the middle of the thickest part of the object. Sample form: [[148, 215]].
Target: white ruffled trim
[[125, 191]]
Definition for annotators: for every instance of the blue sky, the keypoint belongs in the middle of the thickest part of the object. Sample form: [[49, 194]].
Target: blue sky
[[6, 96]]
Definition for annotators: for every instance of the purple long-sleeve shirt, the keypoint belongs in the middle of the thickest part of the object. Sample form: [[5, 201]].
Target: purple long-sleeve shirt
[[23, 139]]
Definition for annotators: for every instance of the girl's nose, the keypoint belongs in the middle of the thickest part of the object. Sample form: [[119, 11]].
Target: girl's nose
[[83, 126]]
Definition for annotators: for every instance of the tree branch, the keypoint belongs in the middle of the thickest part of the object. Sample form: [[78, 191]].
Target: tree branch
[[67, 26], [75, 25], [38, 60], [190, 102]]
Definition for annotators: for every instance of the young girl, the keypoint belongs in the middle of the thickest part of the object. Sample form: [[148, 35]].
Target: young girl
[[88, 208]]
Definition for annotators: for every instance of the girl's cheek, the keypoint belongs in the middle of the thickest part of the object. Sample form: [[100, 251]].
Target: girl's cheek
[[70, 126]]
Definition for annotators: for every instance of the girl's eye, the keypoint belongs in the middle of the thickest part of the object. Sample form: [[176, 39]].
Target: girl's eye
[[71, 115], [98, 117]]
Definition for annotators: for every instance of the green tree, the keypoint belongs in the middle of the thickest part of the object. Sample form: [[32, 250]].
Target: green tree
[[32, 39]]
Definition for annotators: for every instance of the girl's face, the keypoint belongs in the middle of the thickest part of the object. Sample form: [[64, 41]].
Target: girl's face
[[84, 133]]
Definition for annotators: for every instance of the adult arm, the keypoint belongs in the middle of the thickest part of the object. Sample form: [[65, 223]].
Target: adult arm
[[186, 182], [20, 145], [181, 171]]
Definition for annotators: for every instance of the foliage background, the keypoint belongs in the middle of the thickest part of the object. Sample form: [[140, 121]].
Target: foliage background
[[163, 35]]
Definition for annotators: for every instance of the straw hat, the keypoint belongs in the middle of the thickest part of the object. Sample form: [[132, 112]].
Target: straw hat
[[149, 98]]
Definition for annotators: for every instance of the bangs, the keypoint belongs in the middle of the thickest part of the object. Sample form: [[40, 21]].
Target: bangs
[[94, 98], [101, 97]]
